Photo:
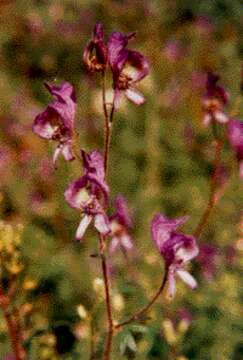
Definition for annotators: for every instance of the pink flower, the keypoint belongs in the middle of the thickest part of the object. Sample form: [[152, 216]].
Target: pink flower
[[119, 58], [57, 121], [87, 194], [120, 224], [235, 136], [214, 101], [176, 248]]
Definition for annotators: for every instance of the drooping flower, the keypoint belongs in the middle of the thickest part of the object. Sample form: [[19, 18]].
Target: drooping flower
[[95, 54], [57, 121], [176, 248], [214, 101], [128, 68], [235, 136], [89, 193], [120, 224]]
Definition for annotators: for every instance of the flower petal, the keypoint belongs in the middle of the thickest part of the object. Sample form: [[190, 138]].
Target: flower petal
[[84, 223], [135, 96], [126, 241], [115, 241], [171, 290], [101, 223], [187, 278]]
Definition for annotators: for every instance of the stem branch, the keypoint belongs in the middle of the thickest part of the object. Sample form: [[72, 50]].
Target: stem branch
[[141, 312]]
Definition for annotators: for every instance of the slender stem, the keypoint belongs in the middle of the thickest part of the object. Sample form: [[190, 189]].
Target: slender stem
[[141, 312], [13, 326], [108, 127], [106, 355], [213, 188], [108, 123]]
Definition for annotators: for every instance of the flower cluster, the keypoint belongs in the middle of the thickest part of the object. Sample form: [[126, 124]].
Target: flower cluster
[[90, 193], [128, 66]]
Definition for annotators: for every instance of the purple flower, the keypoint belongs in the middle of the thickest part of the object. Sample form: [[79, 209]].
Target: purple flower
[[235, 136], [86, 195], [57, 121], [176, 248], [121, 61], [207, 259], [214, 101], [120, 224], [95, 54]]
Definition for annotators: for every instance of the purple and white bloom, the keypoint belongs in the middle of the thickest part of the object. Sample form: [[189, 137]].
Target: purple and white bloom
[[176, 248], [120, 224], [57, 121], [86, 195], [95, 54], [235, 136], [213, 102], [128, 68]]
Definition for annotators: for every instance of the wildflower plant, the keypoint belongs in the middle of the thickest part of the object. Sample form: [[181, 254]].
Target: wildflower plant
[[90, 195]]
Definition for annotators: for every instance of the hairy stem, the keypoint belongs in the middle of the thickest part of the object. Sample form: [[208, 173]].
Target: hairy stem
[[213, 188], [141, 312]]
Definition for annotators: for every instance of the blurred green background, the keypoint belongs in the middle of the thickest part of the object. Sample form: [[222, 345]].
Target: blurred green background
[[161, 160]]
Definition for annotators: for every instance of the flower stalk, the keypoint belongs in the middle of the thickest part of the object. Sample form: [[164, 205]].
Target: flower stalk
[[213, 189]]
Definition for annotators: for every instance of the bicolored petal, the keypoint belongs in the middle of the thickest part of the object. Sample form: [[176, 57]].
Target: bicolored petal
[[187, 278], [139, 64], [46, 124], [76, 194], [84, 223], [185, 247]]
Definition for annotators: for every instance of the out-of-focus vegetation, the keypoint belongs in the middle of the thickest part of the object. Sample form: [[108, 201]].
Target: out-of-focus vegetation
[[161, 159]]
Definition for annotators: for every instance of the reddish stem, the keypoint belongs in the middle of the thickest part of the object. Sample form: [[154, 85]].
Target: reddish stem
[[213, 188], [108, 126], [13, 326]]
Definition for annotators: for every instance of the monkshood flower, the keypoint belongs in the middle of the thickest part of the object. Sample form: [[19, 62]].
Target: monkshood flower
[[235, 136], [176, 248], [214, 101], [128, 68], [120, 224], [89, 193], [57, 121], [95, 54]]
